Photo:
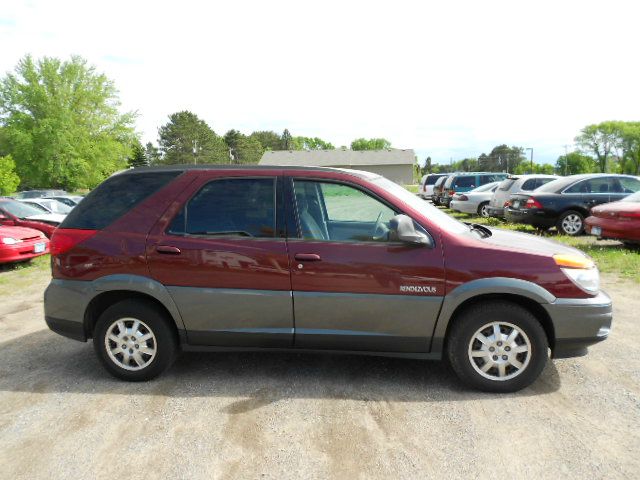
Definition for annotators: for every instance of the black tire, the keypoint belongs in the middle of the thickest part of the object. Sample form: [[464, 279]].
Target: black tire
[[153, 319], [564, 222], [471, 320], [482, 210]]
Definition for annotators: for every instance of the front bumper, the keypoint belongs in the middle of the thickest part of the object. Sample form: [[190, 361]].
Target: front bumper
[[613, 228], [578, 323]]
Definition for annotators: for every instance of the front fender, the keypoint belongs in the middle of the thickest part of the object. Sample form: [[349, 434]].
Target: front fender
[[483, 286]]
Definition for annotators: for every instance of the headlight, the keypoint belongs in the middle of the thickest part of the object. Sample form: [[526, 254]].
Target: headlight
[[10, 241], [581, 271]]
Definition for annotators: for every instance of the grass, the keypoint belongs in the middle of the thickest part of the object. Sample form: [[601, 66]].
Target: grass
[[610, 256], [412, 188], [17, 276]]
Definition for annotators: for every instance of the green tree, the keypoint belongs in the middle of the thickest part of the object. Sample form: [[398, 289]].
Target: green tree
[[630, 143], [370, 144], [600, 140], [310, 143], [152, 154], [427, 167], [248, 150], [138, 157], [525, 168], [185, 139], [286, 140], [574, 163], [61, 123], [268, 139], [9, 179]]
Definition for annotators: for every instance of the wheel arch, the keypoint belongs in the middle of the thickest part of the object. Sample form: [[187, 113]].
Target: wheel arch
[[528, 295], [112, 289]]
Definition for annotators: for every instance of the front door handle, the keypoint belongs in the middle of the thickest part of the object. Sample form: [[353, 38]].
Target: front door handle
[[168, 249], [307, 257]]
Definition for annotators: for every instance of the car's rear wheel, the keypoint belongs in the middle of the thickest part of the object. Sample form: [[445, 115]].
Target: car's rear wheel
[[571, 223], [497, 347], [483, 209], [134, 340]]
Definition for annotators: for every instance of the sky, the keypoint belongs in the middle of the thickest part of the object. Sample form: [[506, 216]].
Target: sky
[[447, 79]]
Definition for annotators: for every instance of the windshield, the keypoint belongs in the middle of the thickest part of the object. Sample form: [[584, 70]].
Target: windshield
[[484, 188], [440, 218], [56, 206], [19, 209], [506, 184]]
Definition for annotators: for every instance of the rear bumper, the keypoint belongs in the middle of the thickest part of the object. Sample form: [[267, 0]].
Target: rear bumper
[[578, 323], [464, 207], [66, 328], [497, 212], [65, 303], [535, 217]]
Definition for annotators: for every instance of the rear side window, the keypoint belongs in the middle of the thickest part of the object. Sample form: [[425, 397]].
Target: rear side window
[[630, 184], [240, 207], [530, 184], [114, 197], [431, 179], [466, 182]]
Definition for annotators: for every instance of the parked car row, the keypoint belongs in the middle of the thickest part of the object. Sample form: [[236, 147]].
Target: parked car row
[[605, 205]]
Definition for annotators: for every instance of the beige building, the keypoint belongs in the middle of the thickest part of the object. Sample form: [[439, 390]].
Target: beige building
[[392, 163]]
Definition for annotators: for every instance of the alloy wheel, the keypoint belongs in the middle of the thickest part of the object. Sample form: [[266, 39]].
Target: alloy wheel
[[499, 351], [130, 344], [572, 224]]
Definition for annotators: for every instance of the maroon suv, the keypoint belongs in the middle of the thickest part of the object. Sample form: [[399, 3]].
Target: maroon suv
[[156, 260]]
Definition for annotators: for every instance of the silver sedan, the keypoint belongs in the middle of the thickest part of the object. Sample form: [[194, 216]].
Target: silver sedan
[[474, 201]]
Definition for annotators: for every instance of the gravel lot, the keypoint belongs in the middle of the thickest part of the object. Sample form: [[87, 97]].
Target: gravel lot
[[302, 416]]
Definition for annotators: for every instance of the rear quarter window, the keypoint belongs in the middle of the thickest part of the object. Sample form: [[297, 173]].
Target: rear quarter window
[[114, 197]]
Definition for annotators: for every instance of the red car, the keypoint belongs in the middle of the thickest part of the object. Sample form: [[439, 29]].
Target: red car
[[18, 244], [17, 214], [617, 220], [155, 261]]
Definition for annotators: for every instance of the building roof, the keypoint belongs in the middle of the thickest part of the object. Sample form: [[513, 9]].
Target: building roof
[[339, 157]]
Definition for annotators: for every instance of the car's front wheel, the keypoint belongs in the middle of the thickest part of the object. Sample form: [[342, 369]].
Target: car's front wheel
[[134, 340], [497, 347]]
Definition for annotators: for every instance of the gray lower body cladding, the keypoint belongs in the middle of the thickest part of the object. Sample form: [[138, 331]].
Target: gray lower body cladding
[[210, 319]]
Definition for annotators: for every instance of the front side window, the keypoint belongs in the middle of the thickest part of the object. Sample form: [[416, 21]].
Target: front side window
[[240, 207], [338, 212]]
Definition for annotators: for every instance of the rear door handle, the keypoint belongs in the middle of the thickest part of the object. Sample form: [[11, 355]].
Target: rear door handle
[[307, 257], [168, 249]]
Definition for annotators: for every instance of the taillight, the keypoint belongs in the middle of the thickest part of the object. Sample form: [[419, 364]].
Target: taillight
[[64, 239], [533, 203], [452, 193], [507, 204], [463, 198]]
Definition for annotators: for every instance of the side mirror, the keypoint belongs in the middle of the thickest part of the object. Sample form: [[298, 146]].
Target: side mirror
[[403, 229]]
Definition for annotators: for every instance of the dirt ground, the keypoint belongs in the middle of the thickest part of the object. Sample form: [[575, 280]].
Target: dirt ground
[[302, 416]]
